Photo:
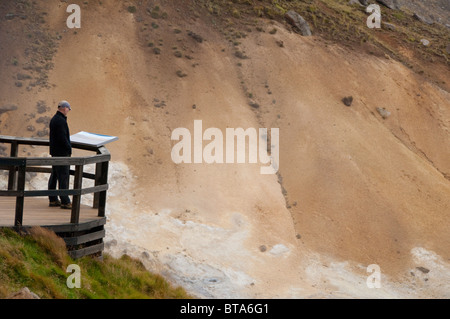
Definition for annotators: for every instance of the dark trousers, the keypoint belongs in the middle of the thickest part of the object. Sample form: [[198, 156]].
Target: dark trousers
[[60, 175]]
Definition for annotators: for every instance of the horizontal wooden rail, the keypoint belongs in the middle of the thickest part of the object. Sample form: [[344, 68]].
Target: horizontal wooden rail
[[18, 166]]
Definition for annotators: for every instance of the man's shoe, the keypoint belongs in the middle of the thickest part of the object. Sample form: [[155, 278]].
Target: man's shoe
[[55, 204], [66, 206]]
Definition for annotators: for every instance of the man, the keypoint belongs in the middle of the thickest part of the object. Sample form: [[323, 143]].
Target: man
[[60, 147]]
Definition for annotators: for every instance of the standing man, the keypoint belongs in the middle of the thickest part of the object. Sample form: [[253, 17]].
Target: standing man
[[60, 147]]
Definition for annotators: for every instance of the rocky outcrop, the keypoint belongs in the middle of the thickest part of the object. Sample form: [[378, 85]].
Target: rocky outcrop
[[298, 22], [24, 293], [422, 18], [391, 4]]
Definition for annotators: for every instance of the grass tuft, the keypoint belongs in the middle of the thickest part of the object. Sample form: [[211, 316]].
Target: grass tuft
[[38, 260]]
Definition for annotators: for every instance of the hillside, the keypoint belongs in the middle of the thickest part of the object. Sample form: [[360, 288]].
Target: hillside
[[352, 189], [39, 261]]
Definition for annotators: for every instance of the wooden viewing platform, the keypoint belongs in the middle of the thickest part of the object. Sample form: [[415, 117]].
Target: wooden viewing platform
[[82, 227]]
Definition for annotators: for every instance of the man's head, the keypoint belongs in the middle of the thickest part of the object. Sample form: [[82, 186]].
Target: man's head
[[64, 107]]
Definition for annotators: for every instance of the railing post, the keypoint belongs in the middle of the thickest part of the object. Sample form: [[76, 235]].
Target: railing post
[[75, 216], [98, 174], [12, 170], [18, 219], [102, 194]]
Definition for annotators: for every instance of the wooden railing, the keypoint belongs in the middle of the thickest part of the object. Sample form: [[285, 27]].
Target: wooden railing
[[18, 166]]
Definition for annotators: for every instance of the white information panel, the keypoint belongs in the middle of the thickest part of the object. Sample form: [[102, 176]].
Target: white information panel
[[92, 138]]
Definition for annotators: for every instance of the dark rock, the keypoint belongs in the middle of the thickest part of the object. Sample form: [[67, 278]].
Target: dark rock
[[423, 269], [390, 26], [422, 18], [22, 76], [391, 4], [158, 103], [347, 100], [253, 104], [351, 2], [43, 133], [7, 108], [41, 107], [10, 16], [181, 74], [240, 55], [44, 119], [297, 21], [195, 36], [364, 2]]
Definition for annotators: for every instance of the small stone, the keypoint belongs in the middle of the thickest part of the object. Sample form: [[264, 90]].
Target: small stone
[[181, 74], [425, 42], [423, 269], [347, 100], [262, 248], [383, 112], [253, 104], [10, 16], [390, 26], [240, 55]]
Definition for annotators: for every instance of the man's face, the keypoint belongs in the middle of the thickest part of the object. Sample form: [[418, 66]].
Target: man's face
[[64, 110]]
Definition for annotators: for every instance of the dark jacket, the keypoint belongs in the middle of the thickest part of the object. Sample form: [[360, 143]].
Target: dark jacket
[[59, 136]]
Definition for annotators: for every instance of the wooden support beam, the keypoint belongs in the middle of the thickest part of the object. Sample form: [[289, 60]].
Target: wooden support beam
[[75, 216], [102, 194], [18, 219], [12, 171]]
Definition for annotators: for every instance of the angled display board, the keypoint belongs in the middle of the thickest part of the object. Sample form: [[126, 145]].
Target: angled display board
[[92, 138]]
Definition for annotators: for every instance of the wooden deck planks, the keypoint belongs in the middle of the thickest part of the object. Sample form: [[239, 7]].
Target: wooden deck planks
[[38, 213]]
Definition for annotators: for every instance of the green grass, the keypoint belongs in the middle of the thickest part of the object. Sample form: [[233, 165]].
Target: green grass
[[39, 261]]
